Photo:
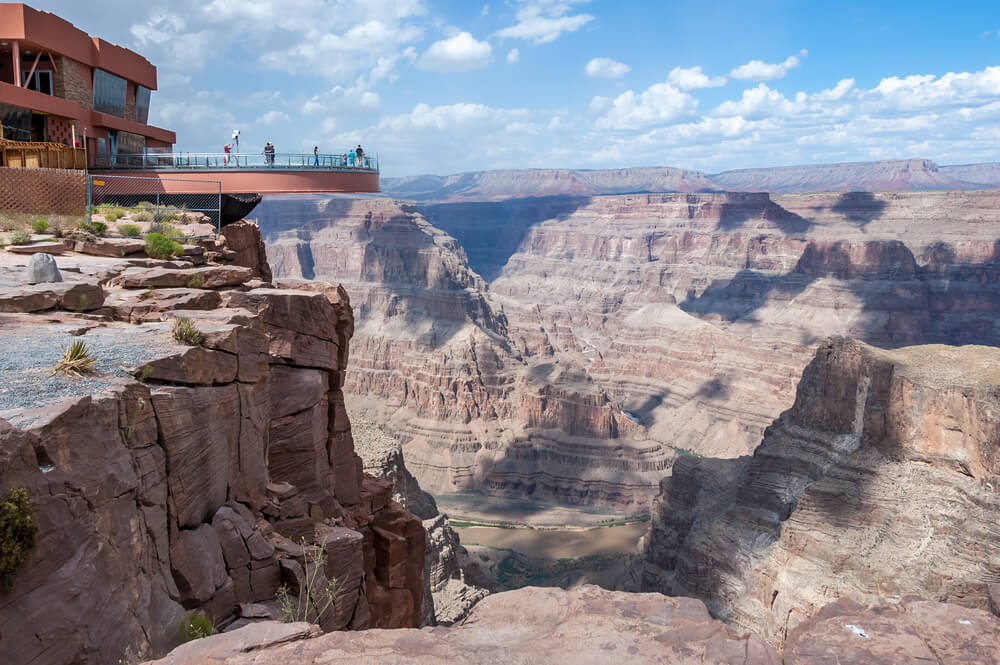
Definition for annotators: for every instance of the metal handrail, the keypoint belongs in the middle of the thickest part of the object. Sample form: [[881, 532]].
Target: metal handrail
[[218, 160]]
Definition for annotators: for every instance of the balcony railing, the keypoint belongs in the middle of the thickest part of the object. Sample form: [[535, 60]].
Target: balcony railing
[[194, 161]]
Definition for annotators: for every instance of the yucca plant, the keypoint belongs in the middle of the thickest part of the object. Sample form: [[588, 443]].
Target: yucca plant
[[186, 333], [76, 360]]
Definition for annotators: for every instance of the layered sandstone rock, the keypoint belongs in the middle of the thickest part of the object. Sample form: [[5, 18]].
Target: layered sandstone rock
[[454, 582], [532, 625], [620, 331], [880, 482], [202, 487], [432, 359], [590, 625]]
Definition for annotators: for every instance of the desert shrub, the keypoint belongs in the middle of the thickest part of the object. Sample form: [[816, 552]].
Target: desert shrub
[[158, 246], [194, 627], [185, 332], [194, 281], [144, 204], [130, 230], [113, 215], [20, 238], [17, 534], [144, 216], [314, 598], [40, 226], [76, 360], [165, 229], [97, 228]]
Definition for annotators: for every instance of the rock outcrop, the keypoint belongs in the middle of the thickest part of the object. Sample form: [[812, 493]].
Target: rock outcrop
[[588, 625], [882, 481], [454, 582], [204, 485]]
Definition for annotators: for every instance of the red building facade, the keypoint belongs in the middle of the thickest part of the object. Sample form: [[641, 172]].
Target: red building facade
[[59, 84]]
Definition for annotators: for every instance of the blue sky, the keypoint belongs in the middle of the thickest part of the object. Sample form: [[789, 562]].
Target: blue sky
[[449, 86]]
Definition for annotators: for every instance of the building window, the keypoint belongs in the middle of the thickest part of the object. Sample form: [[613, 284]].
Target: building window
[[16, 122], [41, 81], [141, 104], [109, 93]]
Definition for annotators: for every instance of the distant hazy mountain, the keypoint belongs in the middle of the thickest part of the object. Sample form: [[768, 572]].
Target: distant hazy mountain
[[983, 174], [884, 176], [888, 175], [498, 185]]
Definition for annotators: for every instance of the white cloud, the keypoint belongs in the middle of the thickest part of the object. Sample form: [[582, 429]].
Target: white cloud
[[659, 104], [606, 68], [543, 21], [461, 53], [513, 56], [758, 70], [273, 118], [692, 78]]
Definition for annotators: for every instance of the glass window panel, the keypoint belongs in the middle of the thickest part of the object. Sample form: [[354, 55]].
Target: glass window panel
[[109, 93], [16, 122], [141, 104]]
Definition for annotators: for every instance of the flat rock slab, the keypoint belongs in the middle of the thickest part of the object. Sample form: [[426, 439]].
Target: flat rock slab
[[213, 276], [139, 306], [57, 247], [584, 626], [915, 631], [73, 296], [111, 246]]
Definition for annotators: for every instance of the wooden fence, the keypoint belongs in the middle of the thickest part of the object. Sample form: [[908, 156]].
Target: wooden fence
[[37, 155]]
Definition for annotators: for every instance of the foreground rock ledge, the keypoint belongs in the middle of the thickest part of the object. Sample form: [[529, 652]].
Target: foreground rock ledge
[[530, 625], [591, 625]]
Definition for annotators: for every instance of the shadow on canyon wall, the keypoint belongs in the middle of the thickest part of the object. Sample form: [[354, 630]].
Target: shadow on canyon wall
[[860, 207], [736, 215], [938, 300], [492, 231]]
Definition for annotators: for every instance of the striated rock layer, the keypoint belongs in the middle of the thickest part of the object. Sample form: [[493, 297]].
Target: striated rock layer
[[617, 332], [433, 360], [195, 489], [882, 481]]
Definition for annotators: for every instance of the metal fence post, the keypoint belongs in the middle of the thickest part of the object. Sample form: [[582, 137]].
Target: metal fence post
[[90, 198]]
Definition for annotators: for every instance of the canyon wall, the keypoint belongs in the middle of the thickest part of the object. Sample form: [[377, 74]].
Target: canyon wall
[[618, 332], [204, 485], [882, 481]]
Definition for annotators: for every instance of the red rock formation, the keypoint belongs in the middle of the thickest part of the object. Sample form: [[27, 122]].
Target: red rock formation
[[858, 490], [588, 625], [193, 491], [244, 239]]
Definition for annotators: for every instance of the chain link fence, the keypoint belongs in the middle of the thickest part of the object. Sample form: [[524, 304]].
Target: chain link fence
[[159, 204]]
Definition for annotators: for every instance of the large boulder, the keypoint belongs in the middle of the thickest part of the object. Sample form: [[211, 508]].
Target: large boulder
[[42, 268]]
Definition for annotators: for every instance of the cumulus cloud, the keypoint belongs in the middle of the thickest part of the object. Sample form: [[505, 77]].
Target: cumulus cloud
[[758, 70], [461, 53], [659, 104], [513, 56], [543, 21], [606, 68], [273, 118], [692, 78]]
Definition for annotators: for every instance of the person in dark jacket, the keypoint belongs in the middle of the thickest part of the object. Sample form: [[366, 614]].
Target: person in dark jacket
[[359, 155]]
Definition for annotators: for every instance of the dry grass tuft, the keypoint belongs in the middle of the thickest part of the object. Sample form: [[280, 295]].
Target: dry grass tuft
[[76, 361]]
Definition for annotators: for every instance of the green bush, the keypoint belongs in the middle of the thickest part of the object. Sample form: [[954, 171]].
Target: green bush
[[20, 238], [144, 216], [194, 627], [97, 228], [185, 332], [165, 229], [144, 204], [130, 230], [158, 246], [40, 226], [114, 214], [17, 534]]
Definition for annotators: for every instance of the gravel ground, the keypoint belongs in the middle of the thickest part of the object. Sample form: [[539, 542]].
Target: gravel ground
[[28, 358], [372, 445]]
